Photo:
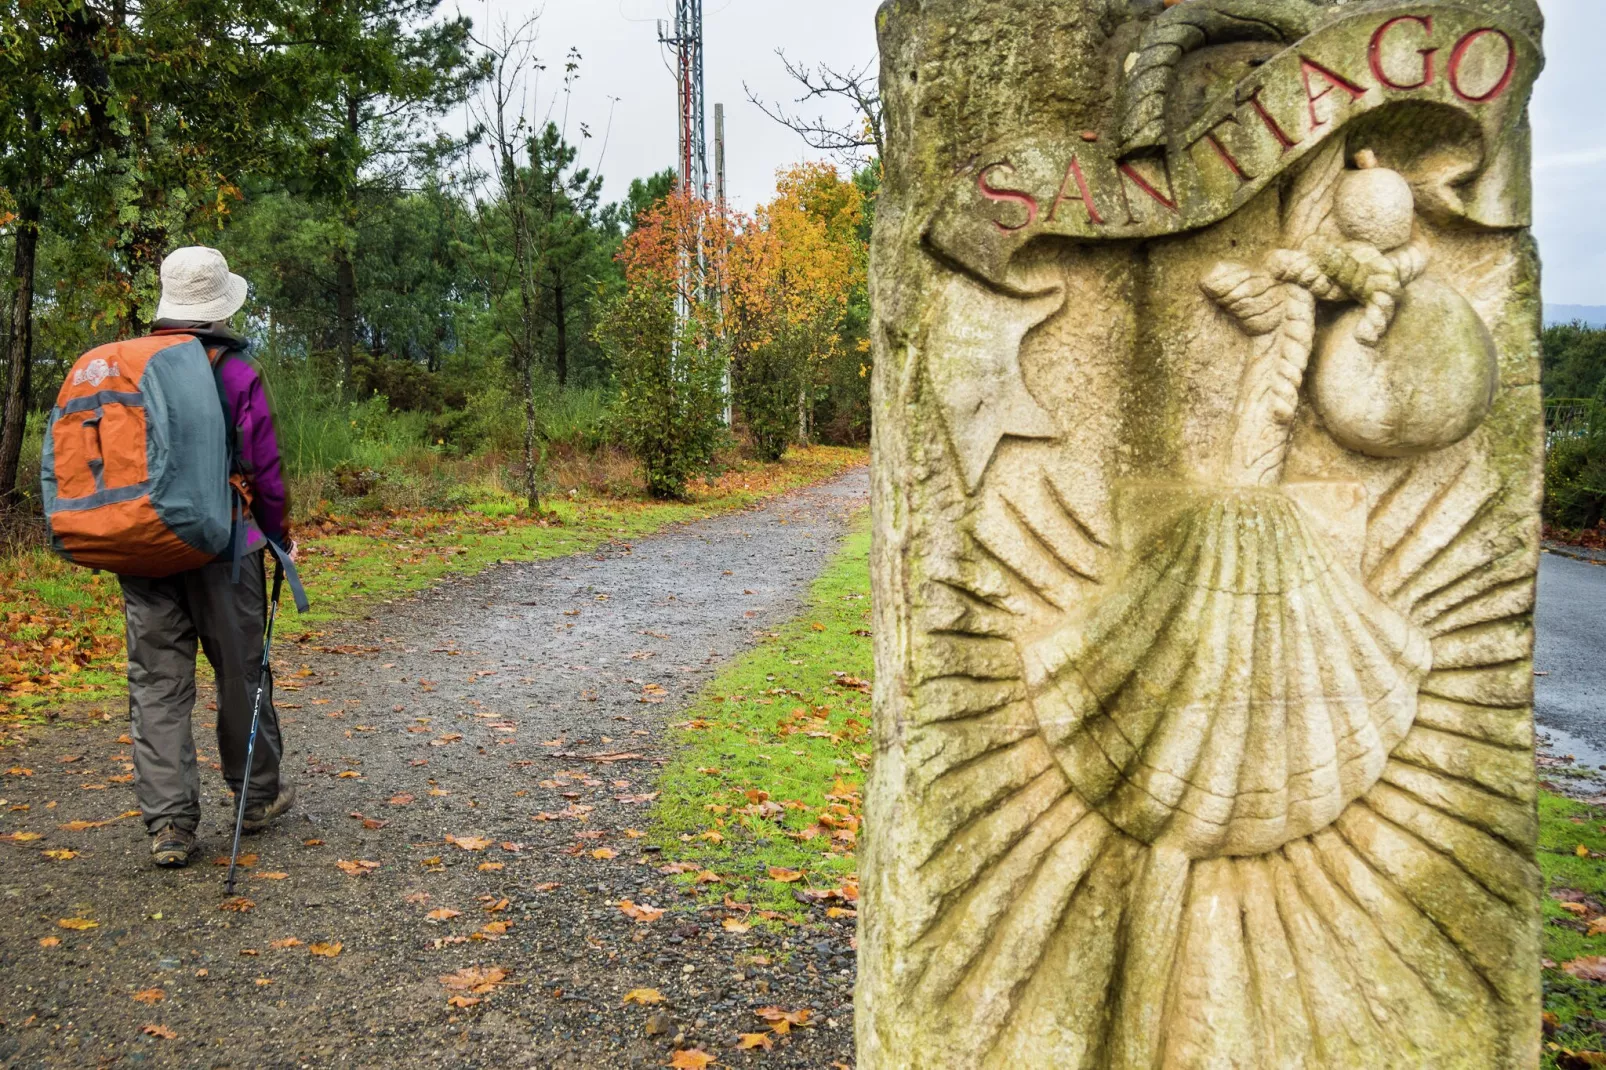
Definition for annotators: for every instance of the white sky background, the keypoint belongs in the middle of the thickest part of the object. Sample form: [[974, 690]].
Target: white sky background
[[621, 58]]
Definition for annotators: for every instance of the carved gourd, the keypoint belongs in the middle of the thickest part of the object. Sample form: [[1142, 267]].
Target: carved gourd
[[1427, 378]]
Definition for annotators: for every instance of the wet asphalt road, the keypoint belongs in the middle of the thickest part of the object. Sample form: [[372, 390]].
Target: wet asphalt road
[[1570, 700]]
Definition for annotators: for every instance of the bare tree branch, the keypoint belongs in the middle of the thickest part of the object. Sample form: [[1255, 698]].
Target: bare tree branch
[[858, 86]]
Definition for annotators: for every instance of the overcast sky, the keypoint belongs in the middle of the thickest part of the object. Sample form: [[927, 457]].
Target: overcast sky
[[621, 58]]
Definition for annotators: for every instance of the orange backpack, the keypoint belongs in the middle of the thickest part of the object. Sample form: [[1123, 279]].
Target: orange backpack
[[138, 465]]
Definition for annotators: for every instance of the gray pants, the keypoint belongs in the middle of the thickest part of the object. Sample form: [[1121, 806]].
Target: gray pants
[[165, 618]]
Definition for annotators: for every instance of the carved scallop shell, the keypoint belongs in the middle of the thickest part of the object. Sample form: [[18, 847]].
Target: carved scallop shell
[[1238, 689]]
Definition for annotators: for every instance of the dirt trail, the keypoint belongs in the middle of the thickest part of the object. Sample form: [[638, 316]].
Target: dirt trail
[[486, 701]]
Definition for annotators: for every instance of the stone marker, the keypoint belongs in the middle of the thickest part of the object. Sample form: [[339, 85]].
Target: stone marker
[[1207, 464]]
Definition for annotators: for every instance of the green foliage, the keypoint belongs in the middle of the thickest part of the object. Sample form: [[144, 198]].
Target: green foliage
[[1574, 382], [1575, 463], [768, 383], [670, 401], [1574, 361]]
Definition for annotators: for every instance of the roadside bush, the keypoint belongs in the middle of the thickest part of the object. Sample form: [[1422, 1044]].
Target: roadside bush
[[767, 383], [1575, 463], [669, 406]]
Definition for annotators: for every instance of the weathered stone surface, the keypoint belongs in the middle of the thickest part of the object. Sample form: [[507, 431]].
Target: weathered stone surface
[[1206, 475]]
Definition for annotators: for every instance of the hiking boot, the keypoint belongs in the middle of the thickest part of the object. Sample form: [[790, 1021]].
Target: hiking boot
[[259, 816], [171, 847]]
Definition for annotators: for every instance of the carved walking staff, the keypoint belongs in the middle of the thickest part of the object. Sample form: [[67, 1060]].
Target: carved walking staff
[[1206, 474]]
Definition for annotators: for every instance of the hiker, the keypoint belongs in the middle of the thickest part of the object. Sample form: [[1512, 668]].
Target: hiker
[[223, 603]]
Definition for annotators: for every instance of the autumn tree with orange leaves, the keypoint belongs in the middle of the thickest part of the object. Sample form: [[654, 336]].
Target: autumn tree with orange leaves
[[792, 272]]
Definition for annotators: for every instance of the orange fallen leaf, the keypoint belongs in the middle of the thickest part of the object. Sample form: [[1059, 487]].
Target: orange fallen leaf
[[312, 843], [490, 867], [1587, 968], [327, 951], [349, 774], [78, 924], [443, 914], [358, 868], [158, 1031], [690, 1059], [781, 1020], [841, 912], [462, 1002], [644, 996], [149, 995], [548, 886], [468, 843], [245, 861], [80, 826], [731, 925], [238, 904], [60, 854], [399, 800], [604, 853], [289, 941], [497, 928], [784, 875], [50, 941], [269, 876], [643, 912], [476, 979], [749, 1041], [22, 837], [493, 906]]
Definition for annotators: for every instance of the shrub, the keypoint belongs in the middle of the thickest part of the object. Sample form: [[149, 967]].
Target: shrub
[[1575, 463], [669, 406], [767, 383]]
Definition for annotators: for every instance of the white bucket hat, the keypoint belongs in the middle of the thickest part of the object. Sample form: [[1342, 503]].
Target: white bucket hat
[[198, 286]]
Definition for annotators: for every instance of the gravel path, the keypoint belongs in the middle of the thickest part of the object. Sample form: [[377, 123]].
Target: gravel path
[[478, 709]]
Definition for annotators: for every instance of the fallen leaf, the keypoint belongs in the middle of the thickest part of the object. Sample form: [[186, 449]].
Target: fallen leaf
[[60, 854], [443, 914], [781, 1020], [731, 925], [78, 924], [644, 996], [312, 843], [548, 886], [841, 912], [690, 1059], [491, 867], [497, 928], [784, 875], [358, 868], [1588, 968], [289, 941], [328, 951], [399, 800], [158, 1031], [494, 906], [50, 941], [476, 979], [245, 861], [462, 1002], [643, 912], [269, 876], [80, 826], [468, 843], [22, 837], [749, 1041], [604, 853], [149, 995], [238, 904]]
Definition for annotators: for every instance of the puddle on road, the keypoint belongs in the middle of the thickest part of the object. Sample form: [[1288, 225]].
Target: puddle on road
[[1572, 764]]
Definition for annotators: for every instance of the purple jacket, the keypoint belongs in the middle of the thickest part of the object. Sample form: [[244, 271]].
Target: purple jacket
[[253, 420]]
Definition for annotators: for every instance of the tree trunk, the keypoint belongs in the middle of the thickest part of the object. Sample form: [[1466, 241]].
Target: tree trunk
[[19, 346], [345, 314], [561, 317]]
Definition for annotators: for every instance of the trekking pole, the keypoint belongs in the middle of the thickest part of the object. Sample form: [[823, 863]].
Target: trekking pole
[[256, 719]]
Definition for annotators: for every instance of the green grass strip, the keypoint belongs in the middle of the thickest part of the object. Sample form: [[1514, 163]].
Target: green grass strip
[[768, 763]]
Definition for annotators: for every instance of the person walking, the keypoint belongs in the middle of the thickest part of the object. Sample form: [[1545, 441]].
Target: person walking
[[221, 604]]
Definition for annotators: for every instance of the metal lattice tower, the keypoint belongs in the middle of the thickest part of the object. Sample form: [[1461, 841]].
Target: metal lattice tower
[[686, 42]]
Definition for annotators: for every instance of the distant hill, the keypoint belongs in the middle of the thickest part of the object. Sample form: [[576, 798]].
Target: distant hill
[[1592, 315]]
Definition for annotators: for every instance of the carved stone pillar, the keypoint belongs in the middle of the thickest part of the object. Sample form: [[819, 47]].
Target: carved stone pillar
[[1207, 467]]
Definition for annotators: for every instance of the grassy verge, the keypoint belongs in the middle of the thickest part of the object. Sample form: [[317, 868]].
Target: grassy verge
[[1572, 856], [61, 627], [763, 789]]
